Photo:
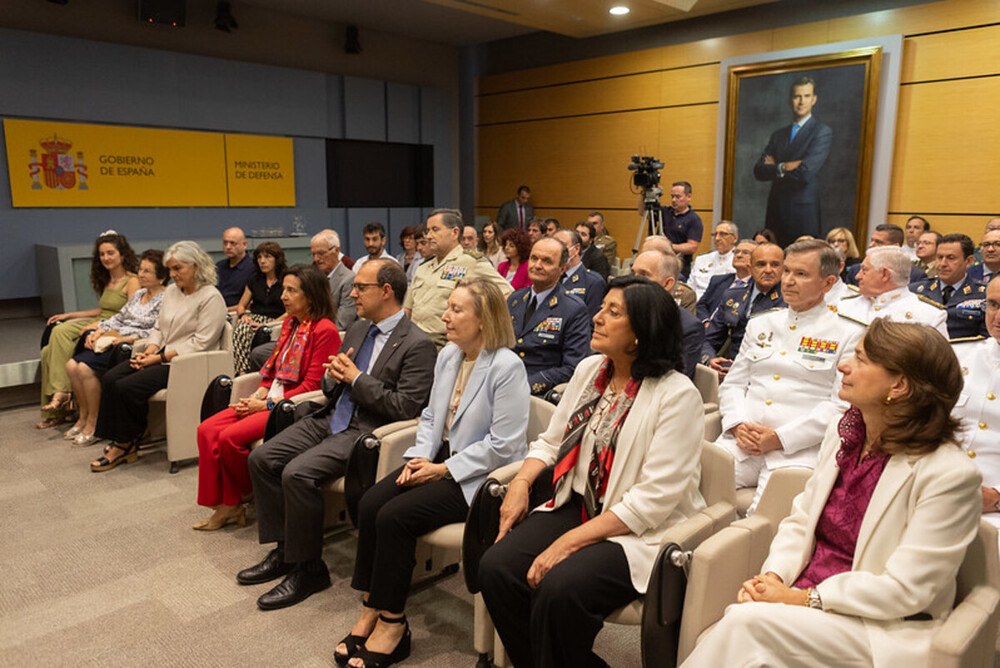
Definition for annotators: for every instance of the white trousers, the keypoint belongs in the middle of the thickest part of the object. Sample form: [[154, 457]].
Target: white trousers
[[775, 634]]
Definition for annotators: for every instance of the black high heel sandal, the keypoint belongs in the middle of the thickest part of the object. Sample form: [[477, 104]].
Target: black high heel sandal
[[381, 659], [352, 642], [130, 453]]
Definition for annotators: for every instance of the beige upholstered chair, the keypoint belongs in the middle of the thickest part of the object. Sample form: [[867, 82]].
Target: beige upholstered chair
[[176, 419], [718, 488], [722, 563]]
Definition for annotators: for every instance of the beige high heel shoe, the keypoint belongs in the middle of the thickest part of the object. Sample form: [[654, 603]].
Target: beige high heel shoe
[[236, 514]]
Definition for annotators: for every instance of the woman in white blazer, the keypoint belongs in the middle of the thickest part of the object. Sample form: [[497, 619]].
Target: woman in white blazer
[[866, 562], [626, 445], [475, 422]]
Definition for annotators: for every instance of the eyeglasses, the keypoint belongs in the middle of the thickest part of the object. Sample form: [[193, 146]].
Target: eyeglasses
[[991, 244], [723, 234], [321, 253], [361, 286]]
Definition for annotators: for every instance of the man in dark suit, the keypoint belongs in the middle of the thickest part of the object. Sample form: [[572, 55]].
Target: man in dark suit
[[963, 297], [517, 212], [552, 327], [590, 255], [738, 304], [791, 162], [382, 374], [662, 268], [718, 285], [577, 279]]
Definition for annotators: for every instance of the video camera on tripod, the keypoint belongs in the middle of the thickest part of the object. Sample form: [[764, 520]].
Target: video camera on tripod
[[647, 176]]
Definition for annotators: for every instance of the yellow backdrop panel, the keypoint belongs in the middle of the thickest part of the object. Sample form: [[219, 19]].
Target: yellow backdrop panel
[[947, 156], [260, 170], [77, 165]]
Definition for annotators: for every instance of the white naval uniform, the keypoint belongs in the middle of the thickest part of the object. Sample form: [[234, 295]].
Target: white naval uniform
[[706, 266], [838, 292], [785, 377], [978, 408], [899, 305]]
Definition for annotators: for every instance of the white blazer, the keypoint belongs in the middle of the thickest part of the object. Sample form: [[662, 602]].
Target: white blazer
[[490, 426], [923, 514], [654, 480]]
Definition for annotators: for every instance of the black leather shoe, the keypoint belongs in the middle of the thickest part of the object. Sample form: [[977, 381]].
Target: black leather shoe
[[300, 584], [271, 568]]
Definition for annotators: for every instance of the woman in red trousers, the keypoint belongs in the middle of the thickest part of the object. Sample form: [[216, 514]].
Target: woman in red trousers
[[308, 339]]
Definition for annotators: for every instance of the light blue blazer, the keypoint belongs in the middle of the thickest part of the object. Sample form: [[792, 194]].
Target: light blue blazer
[[489, 427]]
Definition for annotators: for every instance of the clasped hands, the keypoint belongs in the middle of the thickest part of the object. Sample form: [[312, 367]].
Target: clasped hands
[[755, 439], [769, 588], [341, 367], [147, 358], [420, 470], [248, 406]]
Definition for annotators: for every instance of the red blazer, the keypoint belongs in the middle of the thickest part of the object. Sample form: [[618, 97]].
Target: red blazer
[[324, 340], [520, 279]]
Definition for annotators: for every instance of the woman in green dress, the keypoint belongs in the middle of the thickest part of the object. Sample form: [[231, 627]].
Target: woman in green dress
[[113, 277]]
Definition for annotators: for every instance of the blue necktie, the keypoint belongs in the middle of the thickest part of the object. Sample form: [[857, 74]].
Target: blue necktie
[[345, 407], [795, 129]]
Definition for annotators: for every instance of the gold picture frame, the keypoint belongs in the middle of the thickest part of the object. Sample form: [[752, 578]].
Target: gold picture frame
[[851, 93]]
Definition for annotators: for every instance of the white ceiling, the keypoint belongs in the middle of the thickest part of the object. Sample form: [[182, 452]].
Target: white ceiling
[[465, 22]]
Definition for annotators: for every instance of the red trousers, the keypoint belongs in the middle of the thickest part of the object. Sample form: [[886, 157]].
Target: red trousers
[[223, 447]]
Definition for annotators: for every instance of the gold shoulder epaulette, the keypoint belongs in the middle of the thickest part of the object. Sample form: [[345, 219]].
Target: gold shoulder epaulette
[[856, 294], [968, 339], [930, 301], [855, 320]]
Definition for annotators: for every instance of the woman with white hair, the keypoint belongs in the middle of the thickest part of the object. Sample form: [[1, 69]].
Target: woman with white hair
[[191, 320]]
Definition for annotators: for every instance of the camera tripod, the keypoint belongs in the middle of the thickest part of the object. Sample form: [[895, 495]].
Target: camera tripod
[[652, 217]]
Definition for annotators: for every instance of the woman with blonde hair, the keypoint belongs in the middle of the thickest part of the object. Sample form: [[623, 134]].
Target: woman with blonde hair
[[475, 422], [113, 267], [192, 318], [865, 564]]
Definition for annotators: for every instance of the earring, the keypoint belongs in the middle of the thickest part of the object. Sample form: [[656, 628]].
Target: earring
[[636, 343], [888, 399]]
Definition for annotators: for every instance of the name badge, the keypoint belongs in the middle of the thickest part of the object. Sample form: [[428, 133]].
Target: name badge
[[547, 336]]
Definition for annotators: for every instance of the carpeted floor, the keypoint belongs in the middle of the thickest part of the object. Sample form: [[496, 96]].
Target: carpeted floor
[[104, 570]]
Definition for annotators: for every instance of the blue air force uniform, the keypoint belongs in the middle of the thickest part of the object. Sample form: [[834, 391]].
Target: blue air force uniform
[[966, 308], [586, 285], [730, 318], [553, 340]]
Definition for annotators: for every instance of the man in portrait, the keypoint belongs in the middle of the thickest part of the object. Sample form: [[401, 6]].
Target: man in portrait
[[792, 161]]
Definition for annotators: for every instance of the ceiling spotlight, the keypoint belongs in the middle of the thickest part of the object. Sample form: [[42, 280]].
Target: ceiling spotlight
[[224, 20], [619, 10]]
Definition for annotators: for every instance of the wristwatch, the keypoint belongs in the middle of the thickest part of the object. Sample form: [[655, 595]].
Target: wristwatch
[[814, 600]]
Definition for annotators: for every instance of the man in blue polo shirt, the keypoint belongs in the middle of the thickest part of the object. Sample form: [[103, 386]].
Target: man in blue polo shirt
[[682, 225], [235, 268]]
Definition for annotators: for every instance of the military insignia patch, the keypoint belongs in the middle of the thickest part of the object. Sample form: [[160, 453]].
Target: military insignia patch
[[549, 325], [577, 291], [453, 272], [812, 346], [553, 301]]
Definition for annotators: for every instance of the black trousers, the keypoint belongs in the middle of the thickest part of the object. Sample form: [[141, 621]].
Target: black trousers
[[287, 472], [390, 519], [125, 392], [554, 625]]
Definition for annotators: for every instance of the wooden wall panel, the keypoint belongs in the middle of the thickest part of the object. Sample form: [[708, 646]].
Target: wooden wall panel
[[592, 68], [639, 91], [971, 225], [947, 156], [948, 55], [916, 19]]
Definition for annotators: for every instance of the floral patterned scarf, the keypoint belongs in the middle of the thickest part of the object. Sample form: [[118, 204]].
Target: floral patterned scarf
[[287, 367]]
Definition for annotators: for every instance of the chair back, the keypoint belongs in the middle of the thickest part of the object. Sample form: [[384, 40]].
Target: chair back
[[707, 382], [540, 414], [226, 338], [718, 477], [981, 564]]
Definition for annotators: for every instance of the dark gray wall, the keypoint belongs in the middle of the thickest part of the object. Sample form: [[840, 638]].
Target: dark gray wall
[[65, 79]]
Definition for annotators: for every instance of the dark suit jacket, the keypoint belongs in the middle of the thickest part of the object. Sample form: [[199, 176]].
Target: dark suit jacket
[[712, 297], [586, 286], [730, 320], [594, 259], [400, 380], [793, 203], [966, 308], [507, 216], [694, 339], [554, 340]]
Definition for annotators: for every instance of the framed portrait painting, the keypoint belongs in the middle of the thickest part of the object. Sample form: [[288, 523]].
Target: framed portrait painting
[[799, 146]]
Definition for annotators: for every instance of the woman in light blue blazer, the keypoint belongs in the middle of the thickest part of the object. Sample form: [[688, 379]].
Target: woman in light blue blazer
[[474, 423]]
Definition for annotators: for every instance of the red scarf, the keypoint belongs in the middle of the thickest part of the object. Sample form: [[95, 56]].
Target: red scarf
[[294, 336]]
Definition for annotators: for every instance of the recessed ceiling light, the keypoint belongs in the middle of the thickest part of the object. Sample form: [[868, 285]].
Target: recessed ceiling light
[[619, 10]]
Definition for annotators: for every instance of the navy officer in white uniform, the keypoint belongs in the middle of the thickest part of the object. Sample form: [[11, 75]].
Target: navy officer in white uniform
[[781, 392], [883, 293]]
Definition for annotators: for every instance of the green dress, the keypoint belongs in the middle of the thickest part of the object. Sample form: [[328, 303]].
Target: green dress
[[63, 340]]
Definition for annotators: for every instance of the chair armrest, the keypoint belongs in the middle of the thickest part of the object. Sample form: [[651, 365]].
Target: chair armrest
[[245, 385], [373, 457], [968, 635], [506, 473], [719, 567], [316, 396], [393, 427]]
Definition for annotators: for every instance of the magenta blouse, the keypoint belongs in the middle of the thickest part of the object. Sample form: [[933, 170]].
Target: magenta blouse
[[839, 524]]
